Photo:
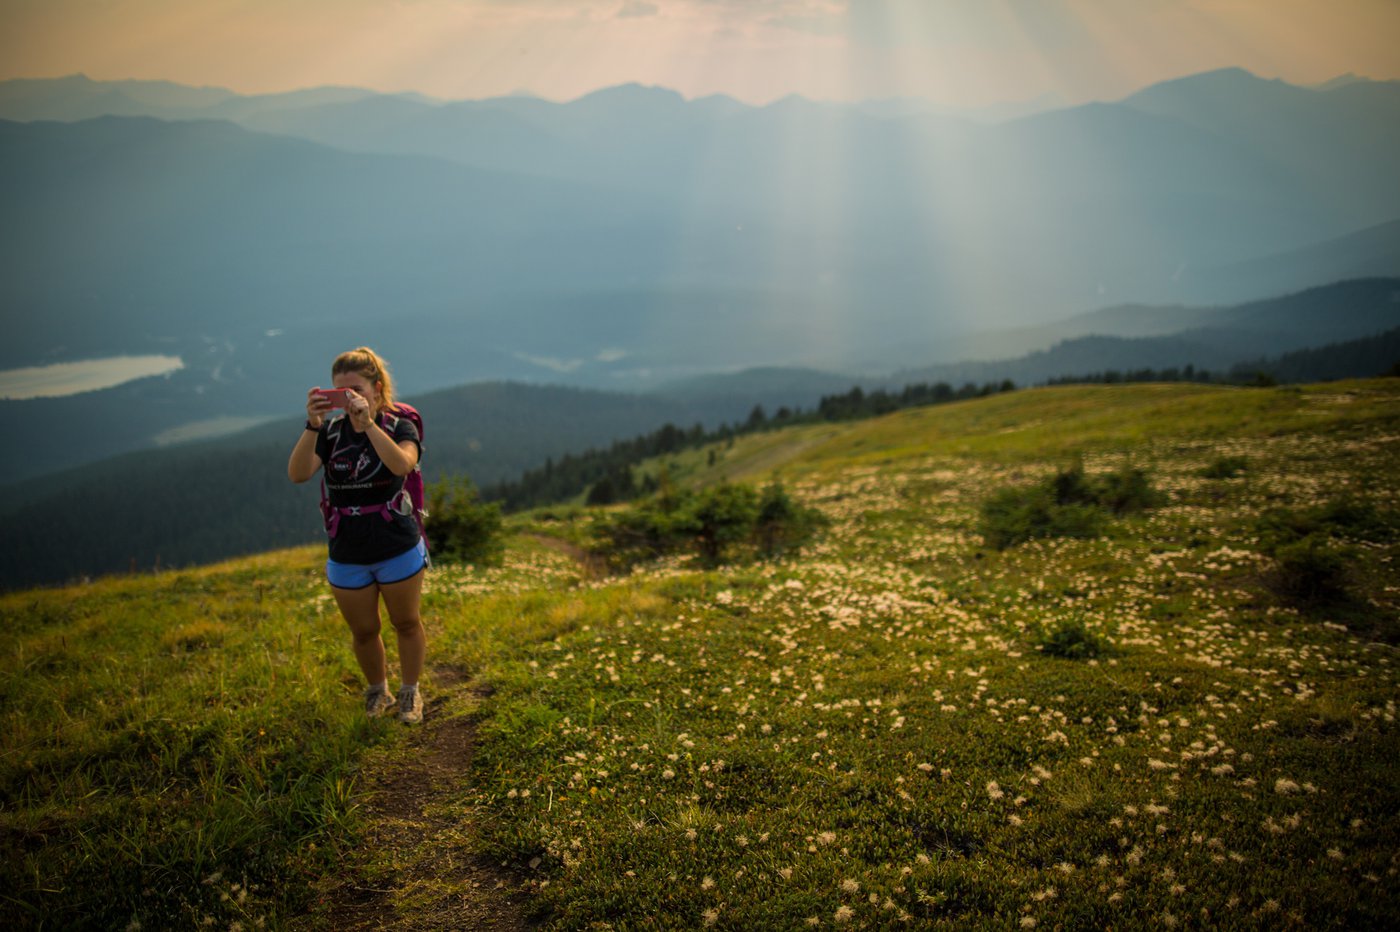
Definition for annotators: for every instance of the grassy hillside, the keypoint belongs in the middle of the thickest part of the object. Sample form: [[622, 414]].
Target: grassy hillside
[[902, 726]]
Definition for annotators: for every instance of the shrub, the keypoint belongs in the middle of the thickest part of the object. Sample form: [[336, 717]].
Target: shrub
[[1311, 570], [1069, 504], [1071, 487], [460, 526], [783, 524], [716, 523], [1072, 641], [722, 516], [1127, 491], [1012, 516], [1341, 517], [653, 528], [1311, 563]]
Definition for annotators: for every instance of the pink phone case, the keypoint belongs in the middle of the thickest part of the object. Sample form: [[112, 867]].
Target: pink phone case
[[338, 397]]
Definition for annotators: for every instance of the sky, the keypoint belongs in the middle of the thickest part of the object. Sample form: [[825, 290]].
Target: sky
[[956, 53]]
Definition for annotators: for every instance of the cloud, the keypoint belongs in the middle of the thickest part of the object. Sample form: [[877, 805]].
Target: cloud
[[562, 366], [817, 17], [634, 9]]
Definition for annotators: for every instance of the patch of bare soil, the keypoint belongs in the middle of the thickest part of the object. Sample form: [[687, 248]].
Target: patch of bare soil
[[592, 565], [421, 873]]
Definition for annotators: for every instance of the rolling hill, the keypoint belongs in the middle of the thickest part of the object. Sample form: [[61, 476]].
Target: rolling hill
[[897, 726], [493, 432]]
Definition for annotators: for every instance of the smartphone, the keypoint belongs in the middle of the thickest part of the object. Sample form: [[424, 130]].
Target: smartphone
[[338, 397]]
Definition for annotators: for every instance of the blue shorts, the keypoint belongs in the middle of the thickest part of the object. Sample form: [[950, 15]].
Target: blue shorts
[[392, 570]]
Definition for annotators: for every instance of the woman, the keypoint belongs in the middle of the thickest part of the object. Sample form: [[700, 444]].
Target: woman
[[375, 547]]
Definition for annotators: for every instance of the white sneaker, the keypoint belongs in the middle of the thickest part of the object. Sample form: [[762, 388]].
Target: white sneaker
[[410, 705], [377, 701]]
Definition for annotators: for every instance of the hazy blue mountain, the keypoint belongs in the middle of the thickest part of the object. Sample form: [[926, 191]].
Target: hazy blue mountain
[[1307, 317], [126, 231], [246, 108], [1339, 142], [1083, 356], [1123, 337], [492, 135], [769, 386], [204, 501], [78, 97], [632, 238], [1370, 253], [917, 218], [1377, 355], [1136, 337], [1341, 80]]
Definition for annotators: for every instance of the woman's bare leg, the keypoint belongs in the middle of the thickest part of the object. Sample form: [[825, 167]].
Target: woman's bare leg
[[403, 599], [360, 607]]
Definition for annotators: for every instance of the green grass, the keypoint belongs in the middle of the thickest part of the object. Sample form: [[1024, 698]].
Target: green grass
[[902, 726]]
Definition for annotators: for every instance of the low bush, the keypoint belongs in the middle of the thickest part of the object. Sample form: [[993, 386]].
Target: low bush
[[460, 526], [1127, 491], [784, 524], [1072, 641], [1069, 504], [1013, 516], [1310, 551], [1312, 570], [1343, 517], [720, 523]]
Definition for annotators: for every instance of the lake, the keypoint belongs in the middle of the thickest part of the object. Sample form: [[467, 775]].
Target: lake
[[71, 378]]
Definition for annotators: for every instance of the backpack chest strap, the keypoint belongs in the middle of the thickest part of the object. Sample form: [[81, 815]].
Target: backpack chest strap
[[400, 504]]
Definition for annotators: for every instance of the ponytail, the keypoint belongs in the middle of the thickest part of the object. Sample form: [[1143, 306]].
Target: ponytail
[[367, 363]]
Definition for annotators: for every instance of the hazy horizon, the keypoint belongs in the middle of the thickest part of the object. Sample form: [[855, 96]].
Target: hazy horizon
[[953, 54]]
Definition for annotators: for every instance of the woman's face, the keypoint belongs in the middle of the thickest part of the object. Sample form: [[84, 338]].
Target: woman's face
[[363, 386]]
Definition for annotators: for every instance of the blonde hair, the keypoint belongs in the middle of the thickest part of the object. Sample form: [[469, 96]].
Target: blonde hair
[[366, 362]]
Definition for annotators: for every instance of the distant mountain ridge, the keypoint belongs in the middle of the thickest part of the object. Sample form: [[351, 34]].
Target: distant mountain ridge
[[632, 238], [78, 97], [906, 223], [1134, 337], [1306, 317], [207, 501]]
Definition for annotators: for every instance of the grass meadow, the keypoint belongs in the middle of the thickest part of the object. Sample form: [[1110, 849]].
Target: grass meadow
[[901, 727]]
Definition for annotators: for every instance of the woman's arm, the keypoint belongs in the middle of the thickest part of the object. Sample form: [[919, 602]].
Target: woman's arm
[[304, 462], [399, 457]]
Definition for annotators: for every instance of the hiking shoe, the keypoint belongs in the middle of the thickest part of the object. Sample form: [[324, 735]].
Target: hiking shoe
[[378, 701], [410, 705]]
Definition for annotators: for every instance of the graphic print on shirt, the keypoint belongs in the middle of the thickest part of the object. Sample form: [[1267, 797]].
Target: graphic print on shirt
[[348, 468]]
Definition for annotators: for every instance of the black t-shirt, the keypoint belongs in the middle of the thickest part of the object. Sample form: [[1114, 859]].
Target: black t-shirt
[[355, 475]]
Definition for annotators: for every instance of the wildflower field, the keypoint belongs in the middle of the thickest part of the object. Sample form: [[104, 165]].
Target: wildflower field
[[1153, 726]]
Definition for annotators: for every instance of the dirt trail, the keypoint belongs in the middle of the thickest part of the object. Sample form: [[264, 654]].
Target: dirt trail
[[435, 881], [592, 565]]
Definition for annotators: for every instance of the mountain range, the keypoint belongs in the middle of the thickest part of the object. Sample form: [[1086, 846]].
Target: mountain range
[[633, 239], [202, 501]]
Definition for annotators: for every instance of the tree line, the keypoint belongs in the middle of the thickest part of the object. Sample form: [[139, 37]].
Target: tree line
[[1377, 355], [607, 475]]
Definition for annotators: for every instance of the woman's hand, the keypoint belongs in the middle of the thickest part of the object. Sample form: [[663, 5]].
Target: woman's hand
[[360, 413], [317, 407]]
